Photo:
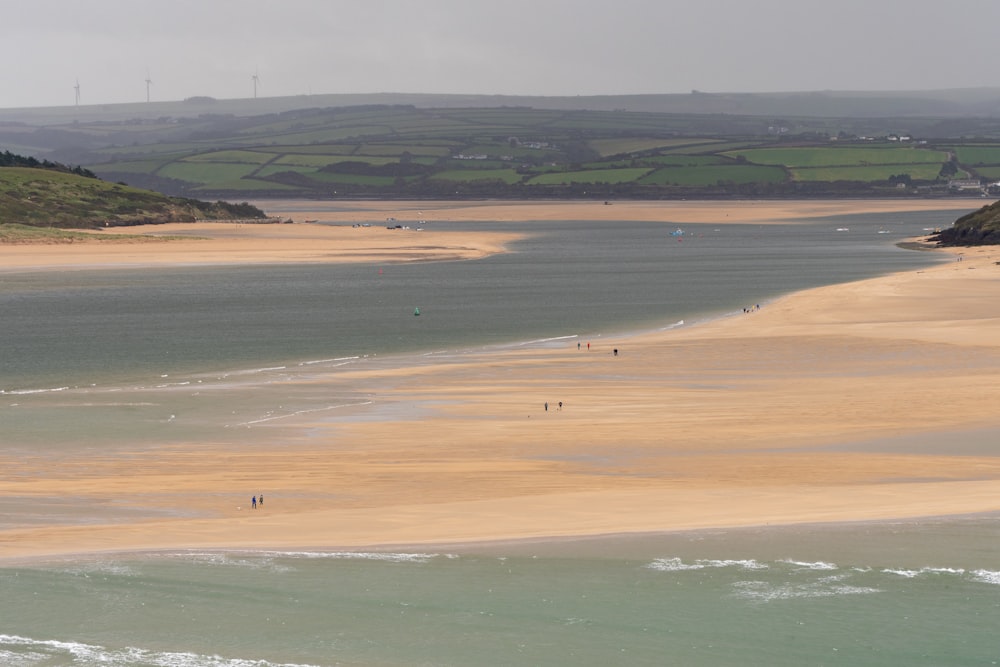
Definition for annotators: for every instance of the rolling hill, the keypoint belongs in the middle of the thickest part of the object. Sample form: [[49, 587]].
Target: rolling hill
[[52, 198], [829, 144]]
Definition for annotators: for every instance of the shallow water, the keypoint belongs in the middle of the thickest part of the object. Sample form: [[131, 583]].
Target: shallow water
[[866, 594], [92, 327], [110, 361], [101, 358]]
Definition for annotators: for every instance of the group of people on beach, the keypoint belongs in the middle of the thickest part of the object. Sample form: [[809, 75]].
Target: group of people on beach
[[257, 500], [578, 345]]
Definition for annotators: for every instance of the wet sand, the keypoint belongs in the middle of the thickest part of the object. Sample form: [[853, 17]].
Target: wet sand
[[869, 400]]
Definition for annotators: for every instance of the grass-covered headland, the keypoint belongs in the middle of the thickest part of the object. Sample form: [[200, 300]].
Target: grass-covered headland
[[46, 194], [980, 227]]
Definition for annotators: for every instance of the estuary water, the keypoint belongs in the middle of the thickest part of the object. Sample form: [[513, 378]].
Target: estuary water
[[95, 359]]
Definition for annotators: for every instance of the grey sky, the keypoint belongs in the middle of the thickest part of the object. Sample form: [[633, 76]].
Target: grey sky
[[530, 47]]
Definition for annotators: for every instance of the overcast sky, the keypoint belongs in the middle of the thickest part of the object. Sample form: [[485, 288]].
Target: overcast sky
[[517, 47]]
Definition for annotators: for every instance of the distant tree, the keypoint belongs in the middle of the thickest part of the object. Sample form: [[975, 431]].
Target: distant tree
[[8, 159]]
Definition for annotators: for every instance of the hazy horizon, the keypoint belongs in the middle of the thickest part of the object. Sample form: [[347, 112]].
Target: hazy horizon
[[110, 48]]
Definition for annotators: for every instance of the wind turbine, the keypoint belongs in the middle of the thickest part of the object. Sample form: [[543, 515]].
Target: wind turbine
[[149, 82], [256, 80], [76, 88]]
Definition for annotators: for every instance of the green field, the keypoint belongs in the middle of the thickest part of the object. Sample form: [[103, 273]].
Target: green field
[[309, 149], [508, 176], [992, 173], [871, 173], [246, 186], [138, 166], [840, 157], [975, 156], [589, 176], [236, 157], [408, 151], [709, 147], [206, 172], [272, 169], [317, 136], [714, 174], [399, 149], [180, 149], [608, 147], [503, 149], [299, 160], [352, 179], [681, 160]]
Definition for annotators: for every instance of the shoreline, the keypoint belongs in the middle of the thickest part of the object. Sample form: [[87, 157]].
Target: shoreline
[[667, 211], [492, 546], [234, 244], [355, 231], [759, 405]]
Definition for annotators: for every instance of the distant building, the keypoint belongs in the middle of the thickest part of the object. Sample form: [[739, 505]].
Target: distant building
[[965, 185]]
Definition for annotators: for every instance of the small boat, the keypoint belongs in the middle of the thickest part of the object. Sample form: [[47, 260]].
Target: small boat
[[677, 232]]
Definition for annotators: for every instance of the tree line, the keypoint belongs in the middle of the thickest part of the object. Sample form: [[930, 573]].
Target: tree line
[[8, 159]]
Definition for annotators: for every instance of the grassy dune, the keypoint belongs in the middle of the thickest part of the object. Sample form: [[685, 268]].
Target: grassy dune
[[47, 198]]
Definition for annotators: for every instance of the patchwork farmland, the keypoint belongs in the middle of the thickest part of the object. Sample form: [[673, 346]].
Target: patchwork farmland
[[397, 151]]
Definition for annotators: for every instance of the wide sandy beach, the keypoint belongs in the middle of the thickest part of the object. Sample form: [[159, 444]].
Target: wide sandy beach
[[863, 401]]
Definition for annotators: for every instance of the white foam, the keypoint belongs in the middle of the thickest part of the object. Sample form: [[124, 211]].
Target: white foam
[[341, 360], [265, 558], [987, 576], [230, 560], [911, 573], [252, 371], [818, 565], [298, 413], [761, 591], [553, 339], [677, 565], [672, 565], [943, 570], [44, 651], [679, 323], [26, 392], [102, 568], [392, 557]]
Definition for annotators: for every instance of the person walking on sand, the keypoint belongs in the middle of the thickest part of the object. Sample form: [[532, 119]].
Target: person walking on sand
[[253, 502], [260, 500], [546, 406]]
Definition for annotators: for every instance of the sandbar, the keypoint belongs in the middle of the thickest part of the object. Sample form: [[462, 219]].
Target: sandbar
[[870, 400], [671, 212], [235, 243]]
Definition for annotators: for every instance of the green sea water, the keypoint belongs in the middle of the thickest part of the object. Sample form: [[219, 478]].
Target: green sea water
[[913, 593], [109, 361]]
